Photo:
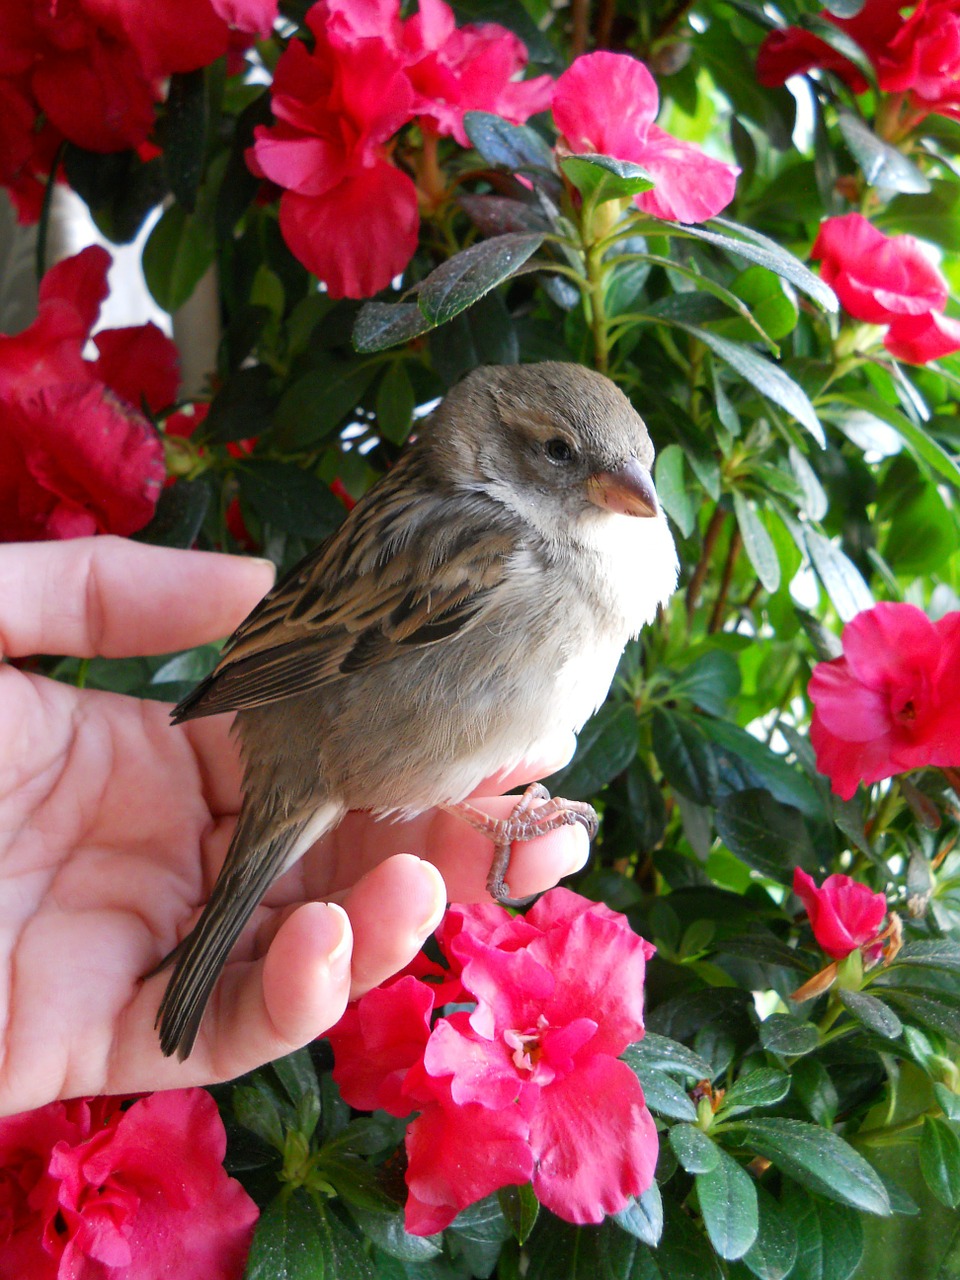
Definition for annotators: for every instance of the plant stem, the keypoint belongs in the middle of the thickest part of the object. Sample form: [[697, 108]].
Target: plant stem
[[720, 604], [695, 585]]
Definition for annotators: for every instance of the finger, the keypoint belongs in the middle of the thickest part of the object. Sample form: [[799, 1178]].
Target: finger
[[109, 597], [461, 854]]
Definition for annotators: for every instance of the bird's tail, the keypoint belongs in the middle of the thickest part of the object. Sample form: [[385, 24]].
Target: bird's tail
[[199, 959]]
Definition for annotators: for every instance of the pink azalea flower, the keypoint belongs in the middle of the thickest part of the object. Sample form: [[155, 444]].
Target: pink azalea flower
[[844, 914], [607, 103], [877, 278], [919, 339], [527, 1087], [89, 1190], [77, 455], [892, 701], [346, 212]]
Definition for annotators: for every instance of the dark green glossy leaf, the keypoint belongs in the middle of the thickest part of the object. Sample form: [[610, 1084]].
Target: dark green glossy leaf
[[696, 1152], [764, 767], [242, 408], [769, 836], [606, 745], [520, 1208], [818, 1159], [183, 129], [934, 216], [177, 254], [510, 146], [672, 490], [728, 1202], [384, 324], [917, 438], [757, 542], [299, 1239], [667, 1055], [761, 1088], [773, 1253], [711, 682], [765, 948], [788, 1037], [684, 756], [461, 280], [291, 499], [395, 404], [386, 1230], [940, 1160], [751, 244], [662, 1094], [769, 379], [882, 165], [312, 408], [841, 579], [873, 1013], [648, 812], [938, 1012], [119, 189], [829, 1236], [179, 515], [930, 953], [604, 178], [643, 1216]]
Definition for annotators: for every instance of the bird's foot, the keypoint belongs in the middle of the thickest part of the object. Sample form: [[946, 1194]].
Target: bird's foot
[[535, 813]]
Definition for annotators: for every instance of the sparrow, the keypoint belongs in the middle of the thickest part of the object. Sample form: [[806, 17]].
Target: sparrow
[[468, 614]]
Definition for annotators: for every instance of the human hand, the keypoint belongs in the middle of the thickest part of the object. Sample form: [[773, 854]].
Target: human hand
[[113, 826]]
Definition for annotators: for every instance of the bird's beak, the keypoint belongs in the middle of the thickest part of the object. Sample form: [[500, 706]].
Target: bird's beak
[[628, 490]]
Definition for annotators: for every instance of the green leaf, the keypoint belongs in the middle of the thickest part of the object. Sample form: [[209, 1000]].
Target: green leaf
[[520, 1208], [696, 1152], [603, 178], [841, 578], [711, 682], [921, 444], [873, 1013], [818, 1159], [773, 1253], [829, 1236], [928, 1009], [177, 254], [384, 324], [672, 490], [183, 130], [772, 306], [684, 756], [765, 948], [769, 379], [293, 500], [882, 165], [930, 953], [647, 809], [395, 403], [299, 1239], [933, 216], [606, 745], [667, 1055], [761, 1088], [298, 1076], [509, 146], [788, 1037], [662, 1094], [387, 1232], [255, 1107], [312, 408], [940, 1160], [461, 280], [179, 515], [241, 408], [118, 188], [765, 768], [759, 248], [728, 1202], [757, 542], [769, 836], [922, 533], [643, 1217]]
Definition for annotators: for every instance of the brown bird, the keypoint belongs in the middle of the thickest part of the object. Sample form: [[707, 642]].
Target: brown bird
[[468, 614]]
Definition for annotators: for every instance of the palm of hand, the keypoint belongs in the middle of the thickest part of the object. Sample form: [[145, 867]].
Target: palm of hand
[[112, 828]]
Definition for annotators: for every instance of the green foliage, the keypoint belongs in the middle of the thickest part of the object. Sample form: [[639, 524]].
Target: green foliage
[[797, 462]]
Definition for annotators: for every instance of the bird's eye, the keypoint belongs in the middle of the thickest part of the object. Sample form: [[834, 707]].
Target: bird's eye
[[558, 450]]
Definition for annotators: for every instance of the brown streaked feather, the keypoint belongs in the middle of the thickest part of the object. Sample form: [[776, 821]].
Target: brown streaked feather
[[383, 584]]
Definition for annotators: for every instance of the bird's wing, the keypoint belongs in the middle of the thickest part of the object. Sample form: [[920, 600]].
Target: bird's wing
[[411, 566]]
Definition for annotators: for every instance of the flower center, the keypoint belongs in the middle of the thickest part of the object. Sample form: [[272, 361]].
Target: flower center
[[526, 1045]]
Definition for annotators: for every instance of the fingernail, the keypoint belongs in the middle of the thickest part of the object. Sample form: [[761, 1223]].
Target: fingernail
[[438, 901], [579, 850], [339, 953]]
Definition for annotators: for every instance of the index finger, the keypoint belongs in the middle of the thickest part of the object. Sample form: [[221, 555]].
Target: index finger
[[112, 598]]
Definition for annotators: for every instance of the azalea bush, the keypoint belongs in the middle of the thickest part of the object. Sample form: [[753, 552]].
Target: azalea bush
[[731, 1046]]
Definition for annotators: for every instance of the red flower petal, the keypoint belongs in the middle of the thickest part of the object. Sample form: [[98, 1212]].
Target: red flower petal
[[844, 914], [920, 339], [691, 186], [357, 237], [140, 364]]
